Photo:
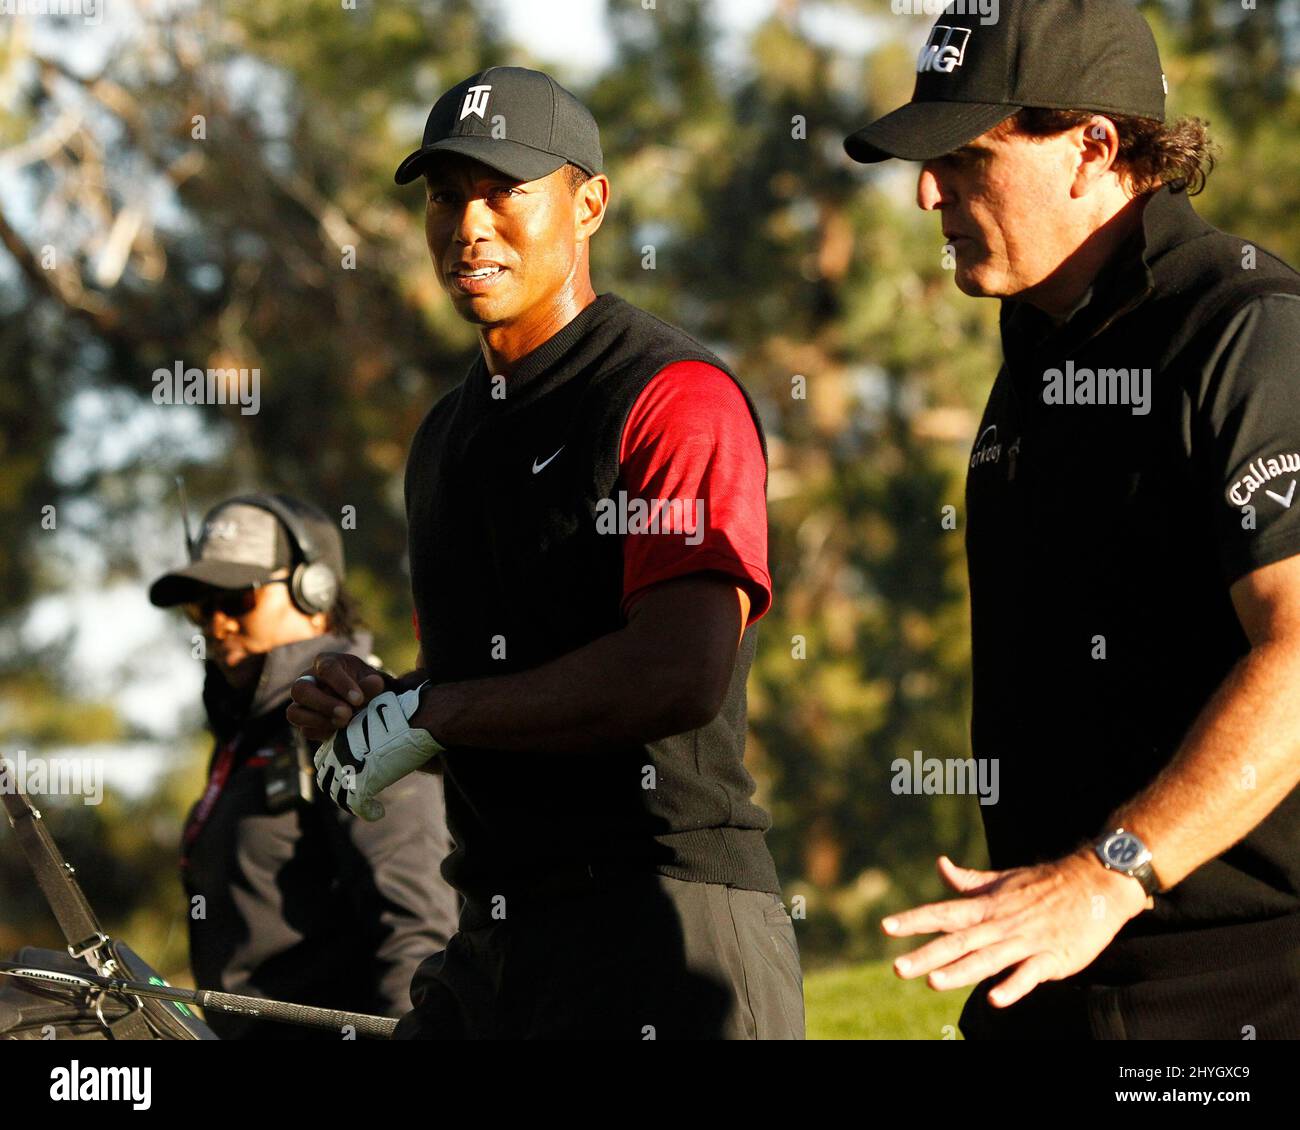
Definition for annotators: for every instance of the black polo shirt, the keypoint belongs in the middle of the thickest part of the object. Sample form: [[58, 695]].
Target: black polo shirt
[[1132, 463]]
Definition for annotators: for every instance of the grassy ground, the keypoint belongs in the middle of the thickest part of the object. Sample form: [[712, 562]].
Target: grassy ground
[[867, 1002]]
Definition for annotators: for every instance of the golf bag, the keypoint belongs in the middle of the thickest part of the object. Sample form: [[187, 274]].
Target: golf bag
[[31, 1011]]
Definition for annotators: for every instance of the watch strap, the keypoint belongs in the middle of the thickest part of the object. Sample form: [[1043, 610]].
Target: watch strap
[[1145, 874]]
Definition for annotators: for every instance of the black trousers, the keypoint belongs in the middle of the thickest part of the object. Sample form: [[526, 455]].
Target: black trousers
[[648, 957], [1258, 999]]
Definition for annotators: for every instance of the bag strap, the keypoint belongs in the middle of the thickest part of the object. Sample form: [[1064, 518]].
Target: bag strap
[[131, 1025], [54, 876]]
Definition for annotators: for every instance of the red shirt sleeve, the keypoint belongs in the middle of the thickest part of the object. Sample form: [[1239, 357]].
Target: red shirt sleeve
[[689, 437]]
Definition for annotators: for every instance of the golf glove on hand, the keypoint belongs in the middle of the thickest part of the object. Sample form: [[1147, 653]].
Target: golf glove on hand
[[378, 747]]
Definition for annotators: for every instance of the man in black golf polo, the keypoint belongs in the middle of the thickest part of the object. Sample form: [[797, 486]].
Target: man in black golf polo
[[588, 550], [1133, 538]]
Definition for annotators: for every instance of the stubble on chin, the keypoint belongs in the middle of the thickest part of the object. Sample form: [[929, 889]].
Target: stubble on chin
[[969, 286]]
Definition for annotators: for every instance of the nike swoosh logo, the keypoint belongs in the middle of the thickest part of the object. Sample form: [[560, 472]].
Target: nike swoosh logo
[[1284, 501], [538, 466], [380, 711]]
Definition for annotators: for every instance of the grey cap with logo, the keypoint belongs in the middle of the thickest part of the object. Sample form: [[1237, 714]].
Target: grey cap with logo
[[1096, 55], [243, 542]]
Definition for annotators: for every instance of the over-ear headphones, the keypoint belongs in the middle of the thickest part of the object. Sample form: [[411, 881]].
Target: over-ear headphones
[[313, 585]]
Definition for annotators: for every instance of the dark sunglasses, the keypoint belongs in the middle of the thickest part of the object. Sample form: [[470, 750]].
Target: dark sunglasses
[[234, 603]]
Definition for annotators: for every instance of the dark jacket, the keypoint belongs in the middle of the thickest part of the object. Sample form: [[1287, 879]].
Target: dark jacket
[[293, 899]]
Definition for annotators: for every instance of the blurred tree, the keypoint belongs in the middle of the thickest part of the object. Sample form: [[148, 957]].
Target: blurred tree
[[212, 188]]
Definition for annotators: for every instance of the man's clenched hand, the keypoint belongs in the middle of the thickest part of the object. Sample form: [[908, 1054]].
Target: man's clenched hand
[[379, 746], [327, 698]]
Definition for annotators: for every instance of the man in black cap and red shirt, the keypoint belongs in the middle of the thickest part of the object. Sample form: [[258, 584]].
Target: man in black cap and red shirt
[[1133, 545], [588, 547], [290, 898]]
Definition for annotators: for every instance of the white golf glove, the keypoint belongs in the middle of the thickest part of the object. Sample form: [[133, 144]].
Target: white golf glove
[[378, 747]]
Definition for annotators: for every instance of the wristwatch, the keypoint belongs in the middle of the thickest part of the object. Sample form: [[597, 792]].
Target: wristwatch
[[1124, 852]]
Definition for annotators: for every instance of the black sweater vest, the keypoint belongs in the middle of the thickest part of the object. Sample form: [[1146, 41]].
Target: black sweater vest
[[508, 571]]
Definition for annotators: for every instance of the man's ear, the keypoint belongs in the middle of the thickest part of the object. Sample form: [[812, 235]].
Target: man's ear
[[589, 204], [1097, 144]]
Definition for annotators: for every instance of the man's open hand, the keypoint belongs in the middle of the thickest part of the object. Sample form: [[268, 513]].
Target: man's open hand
[[1046, 921]]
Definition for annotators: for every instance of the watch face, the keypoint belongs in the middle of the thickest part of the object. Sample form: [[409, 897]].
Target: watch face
[[1122, 851]]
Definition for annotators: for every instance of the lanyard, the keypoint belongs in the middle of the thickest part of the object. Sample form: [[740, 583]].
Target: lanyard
[[216, 782]]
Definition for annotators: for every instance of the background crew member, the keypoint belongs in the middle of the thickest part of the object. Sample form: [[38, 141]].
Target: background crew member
[[301, 902]]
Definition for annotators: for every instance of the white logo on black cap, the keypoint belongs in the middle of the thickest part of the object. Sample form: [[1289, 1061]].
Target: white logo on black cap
[[944, 50], [476, 99]]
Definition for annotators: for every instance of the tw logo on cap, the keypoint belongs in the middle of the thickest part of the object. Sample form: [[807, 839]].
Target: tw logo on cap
[[944, 50], [476, 100]]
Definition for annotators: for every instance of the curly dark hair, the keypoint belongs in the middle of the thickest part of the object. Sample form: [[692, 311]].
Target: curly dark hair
[[345, 615], [1179, 154]]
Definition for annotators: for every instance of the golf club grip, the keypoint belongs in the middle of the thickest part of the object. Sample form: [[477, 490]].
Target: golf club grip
[[371, 1027]]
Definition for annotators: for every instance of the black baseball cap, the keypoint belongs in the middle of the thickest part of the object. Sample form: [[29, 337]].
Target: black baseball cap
[[520, 122], [1096, 55], [244, 541]]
